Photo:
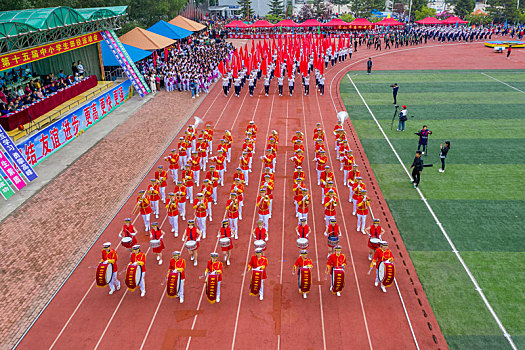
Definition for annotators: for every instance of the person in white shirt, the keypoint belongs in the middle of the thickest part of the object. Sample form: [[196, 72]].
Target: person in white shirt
[[291, 82]]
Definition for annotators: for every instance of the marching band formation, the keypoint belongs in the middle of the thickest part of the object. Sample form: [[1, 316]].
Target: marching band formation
[[193, 156]]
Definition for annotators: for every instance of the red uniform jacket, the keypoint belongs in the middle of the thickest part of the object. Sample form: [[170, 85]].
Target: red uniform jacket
[[381, 255], [233, 208], [304, 231], [178, 264], [111, 257], [215, 266], [336, 261], [300, 262], [329, 207], [262, 261], [140, 259]]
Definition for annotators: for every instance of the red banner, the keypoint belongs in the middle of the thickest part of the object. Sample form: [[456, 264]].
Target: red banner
[[19, 58]]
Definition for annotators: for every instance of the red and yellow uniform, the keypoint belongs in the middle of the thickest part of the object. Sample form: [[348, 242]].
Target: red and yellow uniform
[[380, 256], [200, 207], [195, 163], [232, 206], [127, 229], [172, 207], [173, 160], [179, 265], [111, 257], [303, 231], [187, 176], [263, 204], [321, 159], [239, 175], [252, 128], [213, 176], [180, 193], [260, 263], [298, 160], [348, 162], [363, 203], [140, 259], [215, 266], [300, 262], [330, 203], [192, 234], [356, 188], [226, 232], [154, 192], [157, 234], [298, 174], [260, 234], [219, 160], [143, 203], [161, 175], [303, 201], [336, 261]]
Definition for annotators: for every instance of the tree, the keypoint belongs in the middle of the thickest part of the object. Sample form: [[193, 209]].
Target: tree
[[464, 8], [418, 5], [339, 3], [246, 8], [306, 12], [276, 8], [347, 17], [424, 13], [503, 10], [273, 19], [321, 10], [361, 8]]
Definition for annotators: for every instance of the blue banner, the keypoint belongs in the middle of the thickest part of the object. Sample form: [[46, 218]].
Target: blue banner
[[16, 157]]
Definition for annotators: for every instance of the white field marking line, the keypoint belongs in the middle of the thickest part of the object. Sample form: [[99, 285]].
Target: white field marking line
[[313, 229], [344, 221], [438, 223], [217, 242], [284, 202], [181, 249], [334, 167], [250, 239], [504, 83]]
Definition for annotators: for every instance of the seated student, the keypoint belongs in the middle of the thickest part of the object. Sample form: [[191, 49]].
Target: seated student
[[70, 80], [80, 69], [3, 108], [61, 84], [52, 88], [40, 94], [61, 75]]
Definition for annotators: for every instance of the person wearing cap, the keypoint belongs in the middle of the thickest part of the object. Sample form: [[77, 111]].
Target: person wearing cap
[[238, 188], [303, 201], [348, 162], [259, 262], [363, 205], [173, 161], [267, 160], [263, 207], [330, 203], [303, 261], [144, 205], [128, 231], [403, 116], [223, 146], [201, 209], [244, 165], [161, 175], [297, 191], [139, 258], [337, 259], [298, 158], [252, 128], [207, 190], [195, 166], [182, 146], [332, 230], [109, 256], [203, 147], [302, 230], [249, 148], [374, 231], [341, 144], [352, 176], [215, 266], [226, 232], [326, 176], [157, 234], [228, 140], [341, 153], [268, 184], [173, 213], [356, 189], [299, 135], [417, 167], [330, 186], [178, 264], [208, 136], [423, 134], [260, 232], [192, 234], [187, 177], [381, 254], [321, 160], [318, 133], [337, 127], [213, 176], [181, 193], [220, 160], [232, 209], [154, 195], [239, 175], [298, 173]]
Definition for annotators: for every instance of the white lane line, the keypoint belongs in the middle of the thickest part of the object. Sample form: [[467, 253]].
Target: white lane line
[[250, 233], [313, 227], [504, 83], [445, 234]]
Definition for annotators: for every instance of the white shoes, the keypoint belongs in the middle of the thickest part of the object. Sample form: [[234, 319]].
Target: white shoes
[[181, 300], [338, 294], [363, 231], [195, 263], [156, 216], [111, 291], [142, 294], [236, 237], [160, 262], [176, 234], [191, 258], [218, 300], [228, 262], [376, 283], [370, 258], [158, 257], [441, 170], [383, 289], [261, 297], [173, 230], [358, 229], [304, 295]]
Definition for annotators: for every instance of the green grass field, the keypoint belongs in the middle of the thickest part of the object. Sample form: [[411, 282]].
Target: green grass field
[[478, 199]]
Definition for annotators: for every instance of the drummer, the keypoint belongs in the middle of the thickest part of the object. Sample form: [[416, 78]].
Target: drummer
[[215, 266], [192, 234], [157, 234], [260, 233], [128, 231], [337, 259], [139, 258], [382, 254], [303, 261], [110, 256], [303, 230], [259, 261], [226, 232], [332, 230], [178, 264], [374, 231]]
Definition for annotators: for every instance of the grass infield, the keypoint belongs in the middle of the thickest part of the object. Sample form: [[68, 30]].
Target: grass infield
[[480, 199]]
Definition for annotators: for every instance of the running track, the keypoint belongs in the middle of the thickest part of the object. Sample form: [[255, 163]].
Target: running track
[[83, 316]]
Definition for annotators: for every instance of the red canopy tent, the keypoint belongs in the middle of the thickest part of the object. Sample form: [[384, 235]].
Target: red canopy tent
[[429, 20], [262, 24], [388, 22], [361, 23], [453, 20], [286, 23], [335, 23], [310, 23], [237, 24]]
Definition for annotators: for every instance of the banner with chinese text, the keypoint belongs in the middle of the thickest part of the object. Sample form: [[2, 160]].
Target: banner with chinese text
[[19, 58]]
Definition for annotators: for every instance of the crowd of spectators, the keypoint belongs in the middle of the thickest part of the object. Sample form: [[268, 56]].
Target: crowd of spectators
[[19, 90]]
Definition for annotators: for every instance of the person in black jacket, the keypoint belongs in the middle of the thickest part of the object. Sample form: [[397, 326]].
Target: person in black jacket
[[395, 88], [417, 168], [443, 155], [369, 65]]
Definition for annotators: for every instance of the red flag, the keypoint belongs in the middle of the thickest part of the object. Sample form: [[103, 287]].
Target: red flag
[[221, 68], [235, 74], [277, 69], [264, 67], [166, 54], [155, 59]]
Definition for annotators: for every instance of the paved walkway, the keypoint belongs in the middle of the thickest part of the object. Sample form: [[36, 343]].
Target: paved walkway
[[60, 217]]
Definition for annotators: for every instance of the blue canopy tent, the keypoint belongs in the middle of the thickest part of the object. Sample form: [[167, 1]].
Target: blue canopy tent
[[169, 30], [134, 53]]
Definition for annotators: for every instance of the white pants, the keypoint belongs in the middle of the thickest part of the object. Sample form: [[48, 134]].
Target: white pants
[[182, 209], [208, 210], [174, 174], [264, 219], [201, 225], [145, 217], [219, 289], [196, 177], [214, 195], [181, 289], [296, 208], [345, 179], [261, 290], [182, 161], [193, 144], [189, 194], [229, 154], [250, 163], [174, 221], [301, 216], [142, 283], [155, 207], [241, 204], [319, 177], [327, 219], [246, 172], [203, 163], [114, 283], [271, 205], [354, 203], [221, 177], [163, 194], [234, 225], [361, 222]]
